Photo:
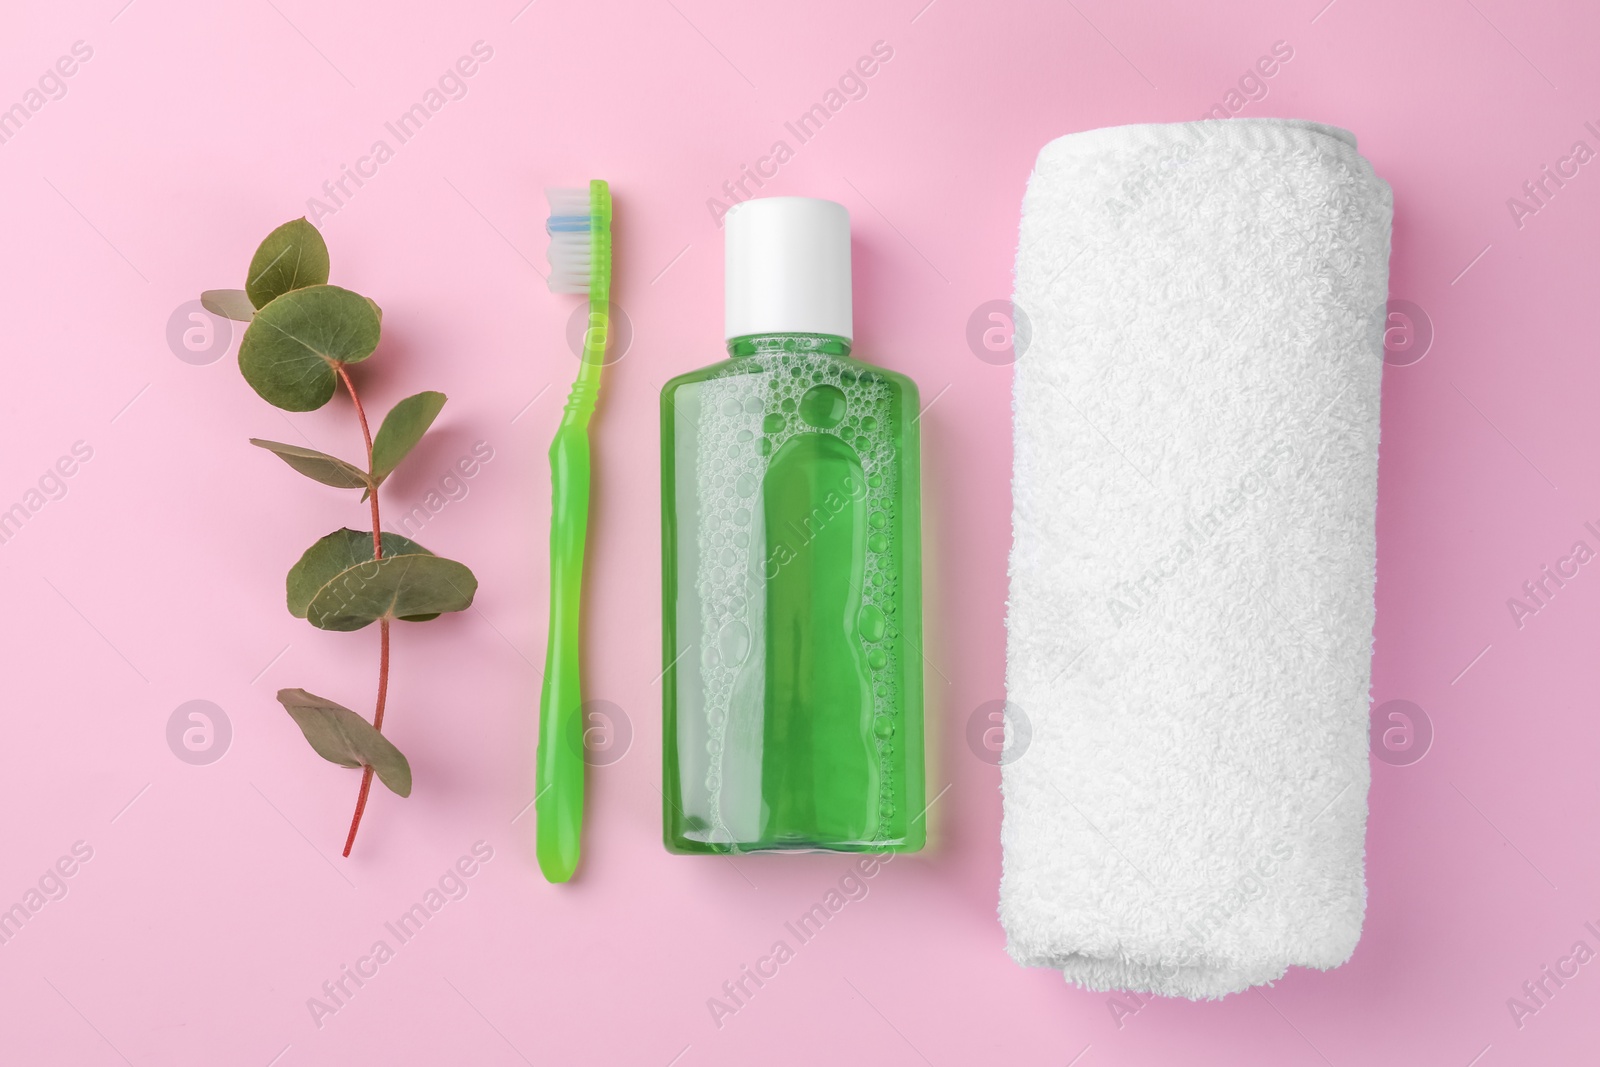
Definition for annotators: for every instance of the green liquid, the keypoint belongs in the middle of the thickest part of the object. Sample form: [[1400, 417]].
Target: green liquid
[[792, 613]]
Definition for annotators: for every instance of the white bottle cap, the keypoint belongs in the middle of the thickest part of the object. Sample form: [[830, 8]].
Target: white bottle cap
[[787, 267]]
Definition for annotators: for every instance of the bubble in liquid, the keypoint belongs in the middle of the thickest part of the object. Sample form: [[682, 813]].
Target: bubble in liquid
[[886, 809], [823, 406], [746, 485], [875, 480], [883, 726], [877, 542], [765, 447], [730, 407], [773, 423], [710, 657], [870, 621], [788, 405], [734, 642], [742, 516], [752, 405], [744, 436], [877, 659], [863, 445], [877, 519], [868, 424]]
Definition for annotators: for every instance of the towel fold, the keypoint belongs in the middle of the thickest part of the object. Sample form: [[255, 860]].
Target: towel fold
[[1191, 602]]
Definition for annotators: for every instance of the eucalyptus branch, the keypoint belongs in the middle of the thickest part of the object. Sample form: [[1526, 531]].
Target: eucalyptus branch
[[303, 336]]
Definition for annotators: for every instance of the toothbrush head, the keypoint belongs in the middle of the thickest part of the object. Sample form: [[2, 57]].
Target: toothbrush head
[[580, 241]]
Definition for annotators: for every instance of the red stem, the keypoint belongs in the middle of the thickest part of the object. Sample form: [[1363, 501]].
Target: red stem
[[383, 624], [366, 438], [377, 724]]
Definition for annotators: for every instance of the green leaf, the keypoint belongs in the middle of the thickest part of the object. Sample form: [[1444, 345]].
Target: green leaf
[[329, 470], [331, 556], [402, 428], [292, 257], [292, 345], [376, 309], [229, 303], [337, 585], [341, 736]]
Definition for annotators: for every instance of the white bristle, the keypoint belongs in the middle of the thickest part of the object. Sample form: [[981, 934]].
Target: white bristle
[[568, 201], [569, 252], [569, 263]]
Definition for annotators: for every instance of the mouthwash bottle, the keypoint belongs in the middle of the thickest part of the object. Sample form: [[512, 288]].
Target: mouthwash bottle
[[791, 564]]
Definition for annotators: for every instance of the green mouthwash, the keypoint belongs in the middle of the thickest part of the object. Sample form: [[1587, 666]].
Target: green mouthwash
[[791, 563]]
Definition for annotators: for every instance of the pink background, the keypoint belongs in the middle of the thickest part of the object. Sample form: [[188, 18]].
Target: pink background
[[215, 903]]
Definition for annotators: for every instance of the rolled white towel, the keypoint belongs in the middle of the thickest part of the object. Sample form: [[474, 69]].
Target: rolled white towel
[[1191, 603]]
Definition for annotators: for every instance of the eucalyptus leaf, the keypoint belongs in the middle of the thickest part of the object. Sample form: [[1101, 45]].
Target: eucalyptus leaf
[[337, 585], [292, 257], [229, 303], [412, 588], [329, 470], [341, 736], [333, 555], [292, 345], [402, 428]]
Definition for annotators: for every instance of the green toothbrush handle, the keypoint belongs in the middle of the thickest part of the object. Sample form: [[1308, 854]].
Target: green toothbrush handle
[[559, 800]]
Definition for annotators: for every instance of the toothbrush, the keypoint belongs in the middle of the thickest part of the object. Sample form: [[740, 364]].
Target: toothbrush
[[580, 261]]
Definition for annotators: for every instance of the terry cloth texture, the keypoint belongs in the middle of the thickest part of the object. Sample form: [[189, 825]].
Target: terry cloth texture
[[1191, 601]]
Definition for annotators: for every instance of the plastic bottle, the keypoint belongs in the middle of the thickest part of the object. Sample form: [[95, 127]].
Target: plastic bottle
[[791, 564]]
